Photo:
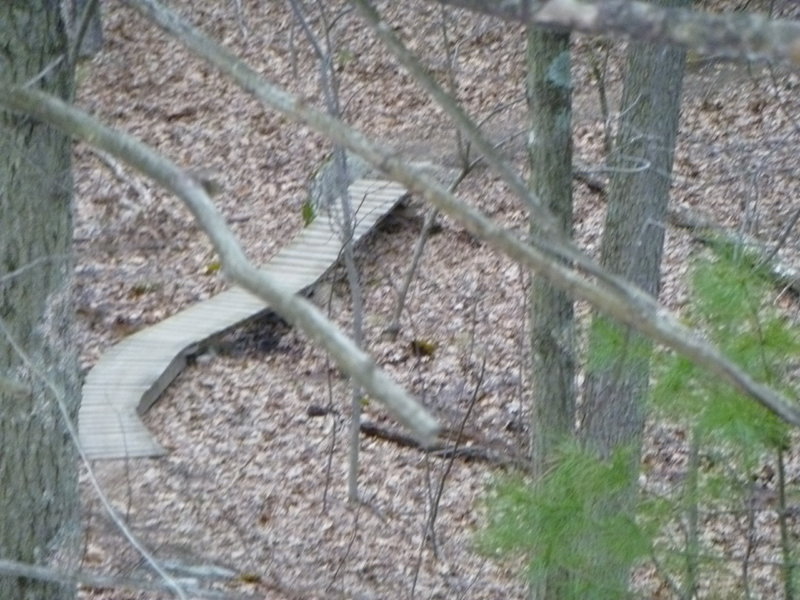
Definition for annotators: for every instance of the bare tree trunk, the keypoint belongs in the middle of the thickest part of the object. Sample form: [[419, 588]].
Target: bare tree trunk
[[38, 476], [84, 26], [552, 325], [551, 310], [617, 378], [633, 238], [611, 295]]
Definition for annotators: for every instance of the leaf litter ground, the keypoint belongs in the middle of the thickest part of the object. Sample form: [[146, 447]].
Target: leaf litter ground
[[252, 484]]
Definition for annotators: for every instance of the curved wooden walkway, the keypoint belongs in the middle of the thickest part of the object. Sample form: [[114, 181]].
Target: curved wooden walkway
[[130, 376]]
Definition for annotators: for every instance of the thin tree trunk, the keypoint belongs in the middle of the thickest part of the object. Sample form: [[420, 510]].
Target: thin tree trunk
[[38, 476], [633, 238], [552, 324], [617, 377], [551, 310]]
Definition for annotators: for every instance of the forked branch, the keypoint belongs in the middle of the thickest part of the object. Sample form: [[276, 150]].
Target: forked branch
[[610, 294], [294, 309]]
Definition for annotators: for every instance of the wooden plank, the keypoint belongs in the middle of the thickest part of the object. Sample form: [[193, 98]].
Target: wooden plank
[[131, 375]]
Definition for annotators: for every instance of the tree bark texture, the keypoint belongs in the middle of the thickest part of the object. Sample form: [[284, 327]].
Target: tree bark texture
[[549, 92], [551, 311], [92, 37], [38, 474], [612, 412], [633, 238]]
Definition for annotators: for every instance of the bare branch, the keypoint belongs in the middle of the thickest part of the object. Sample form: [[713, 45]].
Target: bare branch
[[467, 126], [739, 36], [346, 221], [72, 430], [294, 309], [19, 569], [550, 237], [608, 293]]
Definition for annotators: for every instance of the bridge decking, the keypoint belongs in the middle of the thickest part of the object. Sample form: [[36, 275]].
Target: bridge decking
[[132, 374]]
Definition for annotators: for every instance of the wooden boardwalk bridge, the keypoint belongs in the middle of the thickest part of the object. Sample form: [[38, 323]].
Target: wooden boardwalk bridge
[[131, 375]]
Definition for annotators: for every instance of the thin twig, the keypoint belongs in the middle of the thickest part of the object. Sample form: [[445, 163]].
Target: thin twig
[[784, 237], [330, 89], [27, 571], [7, 277], [240, 18], [456, 447], [347, 550], [692, 519], [427, 227], [576, 273], [83, 26], [787, 566], [73, 434]]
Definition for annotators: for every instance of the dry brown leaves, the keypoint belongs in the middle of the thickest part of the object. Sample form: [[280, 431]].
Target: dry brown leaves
[[252, 483]]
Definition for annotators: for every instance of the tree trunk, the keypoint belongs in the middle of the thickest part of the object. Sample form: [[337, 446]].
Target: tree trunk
[[92, 36], [552, 325], [633, 238], [612, 412], [38, 475], [551, 311]]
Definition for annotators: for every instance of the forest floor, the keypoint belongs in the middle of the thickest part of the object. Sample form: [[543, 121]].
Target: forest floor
[[252, 483]]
